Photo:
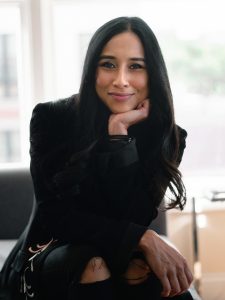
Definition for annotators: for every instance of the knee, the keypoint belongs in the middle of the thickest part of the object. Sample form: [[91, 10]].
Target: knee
[[95, 270], [137, 272]]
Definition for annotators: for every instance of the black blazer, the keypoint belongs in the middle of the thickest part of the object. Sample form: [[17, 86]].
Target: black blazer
[[101, 199]]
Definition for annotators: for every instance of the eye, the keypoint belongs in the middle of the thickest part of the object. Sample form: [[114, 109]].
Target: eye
[[107, 65], [136, 66]]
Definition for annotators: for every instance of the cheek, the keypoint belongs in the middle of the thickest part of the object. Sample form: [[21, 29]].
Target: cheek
[[141, 84], [102, 80], [98, 81]]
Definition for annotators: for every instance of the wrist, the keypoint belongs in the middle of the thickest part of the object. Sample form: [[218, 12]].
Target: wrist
[[117, 129], [146, 240]]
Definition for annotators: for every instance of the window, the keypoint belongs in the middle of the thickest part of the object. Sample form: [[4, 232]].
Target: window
[[9, 94], [9, 141], [8, 67], [48, 65], [194, 53]]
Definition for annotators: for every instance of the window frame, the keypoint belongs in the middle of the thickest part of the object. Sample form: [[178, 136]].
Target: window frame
[[35, 64]]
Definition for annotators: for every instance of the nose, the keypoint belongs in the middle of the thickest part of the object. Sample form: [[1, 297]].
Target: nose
[[121, 79]]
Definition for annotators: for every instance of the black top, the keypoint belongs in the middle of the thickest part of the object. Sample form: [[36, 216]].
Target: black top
[[101, 199]]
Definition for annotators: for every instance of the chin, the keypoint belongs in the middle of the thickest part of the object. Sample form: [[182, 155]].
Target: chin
[[120, 111], [117, 109]]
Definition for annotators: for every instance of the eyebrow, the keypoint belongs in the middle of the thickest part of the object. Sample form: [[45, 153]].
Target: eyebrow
[[113, 57]]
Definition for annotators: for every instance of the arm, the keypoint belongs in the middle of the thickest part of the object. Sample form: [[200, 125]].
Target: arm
[[166, 262], [122, 182], [60, 215]]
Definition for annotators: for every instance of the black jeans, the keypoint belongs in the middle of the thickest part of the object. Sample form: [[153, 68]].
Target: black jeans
[[148, 290], [59, 273]]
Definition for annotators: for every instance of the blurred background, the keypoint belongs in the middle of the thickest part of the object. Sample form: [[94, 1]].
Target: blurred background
[[42, 47]]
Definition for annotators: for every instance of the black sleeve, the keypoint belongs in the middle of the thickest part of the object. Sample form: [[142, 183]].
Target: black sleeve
[[60, 216], [123, 181]]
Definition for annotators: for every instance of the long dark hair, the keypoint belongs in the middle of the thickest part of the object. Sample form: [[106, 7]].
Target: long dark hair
[[93, 115]]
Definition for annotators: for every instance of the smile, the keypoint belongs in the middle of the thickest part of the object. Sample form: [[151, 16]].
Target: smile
[[120, 96]]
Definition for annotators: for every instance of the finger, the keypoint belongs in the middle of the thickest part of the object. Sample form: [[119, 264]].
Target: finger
[[140, 105], [166, 288], [189, 275], [145, 103], [175, 284], [185, 279], [143, 109], [184, 282], [140, 263]]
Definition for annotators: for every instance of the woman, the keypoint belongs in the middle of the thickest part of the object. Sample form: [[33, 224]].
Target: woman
[[101, 162]]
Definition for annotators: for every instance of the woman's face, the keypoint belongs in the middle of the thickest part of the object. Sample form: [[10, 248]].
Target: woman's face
[[121, 77]]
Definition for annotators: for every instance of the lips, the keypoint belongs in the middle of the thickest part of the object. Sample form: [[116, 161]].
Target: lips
[[120, 96]]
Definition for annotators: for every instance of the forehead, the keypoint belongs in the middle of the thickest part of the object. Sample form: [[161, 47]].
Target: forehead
[[126, 43]]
